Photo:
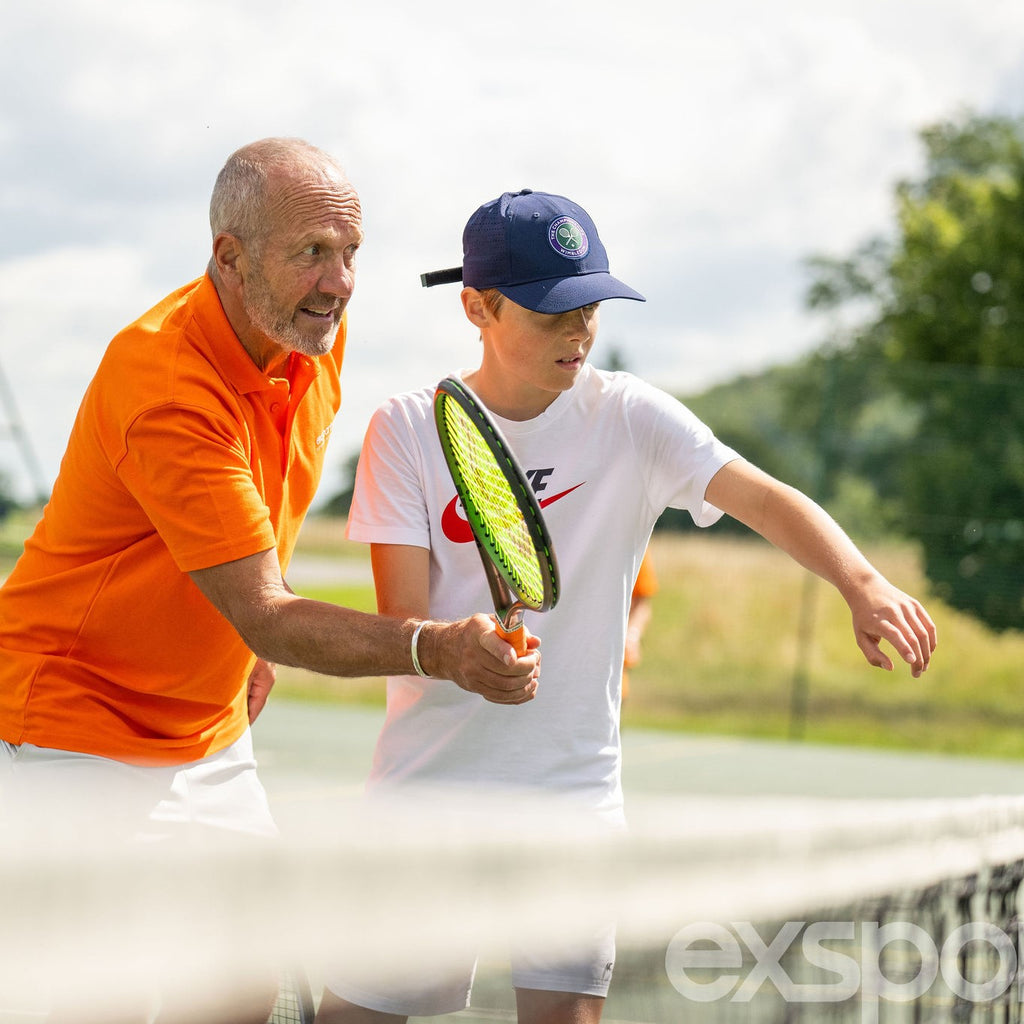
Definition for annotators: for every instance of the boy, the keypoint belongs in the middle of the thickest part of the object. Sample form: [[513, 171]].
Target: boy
[[606, 454]]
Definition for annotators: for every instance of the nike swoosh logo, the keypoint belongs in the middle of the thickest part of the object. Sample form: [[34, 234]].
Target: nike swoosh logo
[[457, 529], [453, 525], [544, 502]]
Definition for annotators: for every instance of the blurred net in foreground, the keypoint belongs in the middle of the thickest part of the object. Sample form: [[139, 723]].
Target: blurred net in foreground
[[946, 952], [719, 905]]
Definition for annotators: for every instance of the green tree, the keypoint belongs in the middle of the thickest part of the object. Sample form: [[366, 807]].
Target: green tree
[[945, 298], [340, 502], [8, 502]]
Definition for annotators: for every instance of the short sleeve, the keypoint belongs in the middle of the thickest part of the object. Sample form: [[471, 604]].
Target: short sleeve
[[680, 451], [190, 473], [389, 504]]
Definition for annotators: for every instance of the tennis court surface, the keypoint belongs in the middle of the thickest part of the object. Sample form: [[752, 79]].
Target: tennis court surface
[[759, 882], [314, 749], [318, 753]]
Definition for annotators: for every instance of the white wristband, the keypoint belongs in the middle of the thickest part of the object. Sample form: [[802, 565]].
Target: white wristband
[[415, 653]]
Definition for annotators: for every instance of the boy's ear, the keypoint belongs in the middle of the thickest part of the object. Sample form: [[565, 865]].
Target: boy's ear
[[475, 309]]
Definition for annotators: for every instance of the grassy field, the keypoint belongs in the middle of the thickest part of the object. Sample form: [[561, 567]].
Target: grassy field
[[738, 629], [728, 646]]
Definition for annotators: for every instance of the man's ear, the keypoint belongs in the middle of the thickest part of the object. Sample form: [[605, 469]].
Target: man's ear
[[476, 312], [228, 257]]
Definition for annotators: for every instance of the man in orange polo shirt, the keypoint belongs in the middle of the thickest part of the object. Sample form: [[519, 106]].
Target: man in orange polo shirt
[[139, 630]]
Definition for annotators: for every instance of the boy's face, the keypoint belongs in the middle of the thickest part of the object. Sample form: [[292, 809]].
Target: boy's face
[[545, 351]]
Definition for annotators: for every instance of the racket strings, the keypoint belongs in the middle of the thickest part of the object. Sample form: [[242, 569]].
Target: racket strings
[[494, 506]]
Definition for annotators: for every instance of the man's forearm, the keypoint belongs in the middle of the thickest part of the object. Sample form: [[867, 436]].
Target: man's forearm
[[334, 640]]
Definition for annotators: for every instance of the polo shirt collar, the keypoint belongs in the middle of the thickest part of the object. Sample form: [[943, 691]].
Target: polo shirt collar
[[228, 352]]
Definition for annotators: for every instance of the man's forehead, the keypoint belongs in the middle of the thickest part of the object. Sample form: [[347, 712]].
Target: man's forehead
[[309, 208]]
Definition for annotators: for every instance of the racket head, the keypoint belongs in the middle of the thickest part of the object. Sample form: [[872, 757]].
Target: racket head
[[499, 502]]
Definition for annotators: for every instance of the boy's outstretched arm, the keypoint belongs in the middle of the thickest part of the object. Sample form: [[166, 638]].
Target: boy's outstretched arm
[[801, 528]]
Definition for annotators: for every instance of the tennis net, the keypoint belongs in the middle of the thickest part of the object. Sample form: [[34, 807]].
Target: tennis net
[[745, 909]]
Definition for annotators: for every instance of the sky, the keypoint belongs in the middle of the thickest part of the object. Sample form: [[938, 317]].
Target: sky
[[716, 145]]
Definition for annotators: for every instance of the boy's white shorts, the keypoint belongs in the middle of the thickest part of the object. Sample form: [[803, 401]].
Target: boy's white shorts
[[421, 990]]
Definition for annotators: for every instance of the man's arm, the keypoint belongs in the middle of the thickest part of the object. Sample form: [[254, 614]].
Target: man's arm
[[401, 574], [801, 528], [282, 628]]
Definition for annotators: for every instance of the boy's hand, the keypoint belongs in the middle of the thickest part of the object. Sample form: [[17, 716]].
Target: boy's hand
[[881, 612]]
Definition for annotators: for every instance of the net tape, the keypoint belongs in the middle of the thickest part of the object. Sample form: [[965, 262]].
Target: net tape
[[373, 886]]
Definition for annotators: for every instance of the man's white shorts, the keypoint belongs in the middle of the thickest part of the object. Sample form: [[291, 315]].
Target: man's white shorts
[[63, 789], [59, 798]]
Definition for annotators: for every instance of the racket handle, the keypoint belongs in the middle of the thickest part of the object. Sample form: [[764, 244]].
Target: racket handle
[[515, 636]]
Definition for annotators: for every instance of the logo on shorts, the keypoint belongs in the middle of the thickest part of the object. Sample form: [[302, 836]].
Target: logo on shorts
[[568, 238]]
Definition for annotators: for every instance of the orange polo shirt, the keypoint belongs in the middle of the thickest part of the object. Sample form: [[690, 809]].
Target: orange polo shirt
[[183, 455], [646, 582]]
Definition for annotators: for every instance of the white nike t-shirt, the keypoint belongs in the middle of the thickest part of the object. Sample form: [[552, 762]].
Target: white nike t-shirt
[[605, 460]]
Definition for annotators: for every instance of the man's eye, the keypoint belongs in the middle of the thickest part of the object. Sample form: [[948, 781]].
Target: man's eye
[[312, 250]]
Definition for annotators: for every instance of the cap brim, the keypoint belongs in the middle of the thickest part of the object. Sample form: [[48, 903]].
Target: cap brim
[[561, 294], [453, 275]]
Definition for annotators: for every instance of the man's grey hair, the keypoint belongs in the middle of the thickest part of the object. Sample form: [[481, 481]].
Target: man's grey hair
[[240, 196]]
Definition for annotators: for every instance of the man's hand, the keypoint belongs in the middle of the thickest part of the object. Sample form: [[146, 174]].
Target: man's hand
[[881, 612], [474, 657], [261, 682]]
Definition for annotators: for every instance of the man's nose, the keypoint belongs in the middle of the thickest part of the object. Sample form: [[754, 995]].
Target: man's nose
[[338, 278]]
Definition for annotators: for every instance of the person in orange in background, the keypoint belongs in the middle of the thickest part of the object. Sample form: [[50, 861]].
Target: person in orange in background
[[644, 588]]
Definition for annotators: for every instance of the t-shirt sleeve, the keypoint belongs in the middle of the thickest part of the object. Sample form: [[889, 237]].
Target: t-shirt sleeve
[[190, 473], [680, 451], [388, 503]]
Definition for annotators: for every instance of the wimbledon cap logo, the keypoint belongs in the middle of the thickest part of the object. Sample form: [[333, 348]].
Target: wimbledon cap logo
[[568, 238]]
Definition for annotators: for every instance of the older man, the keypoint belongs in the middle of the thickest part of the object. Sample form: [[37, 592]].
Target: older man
[[139, 630]]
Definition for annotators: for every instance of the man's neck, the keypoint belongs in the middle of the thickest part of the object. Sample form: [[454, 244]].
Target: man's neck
[[267, 355]]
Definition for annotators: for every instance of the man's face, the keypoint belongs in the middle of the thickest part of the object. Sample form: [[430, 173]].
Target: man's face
[[299, 281]]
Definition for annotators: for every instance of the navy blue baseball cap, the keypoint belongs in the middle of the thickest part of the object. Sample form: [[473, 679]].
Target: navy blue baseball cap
[[540, 250]]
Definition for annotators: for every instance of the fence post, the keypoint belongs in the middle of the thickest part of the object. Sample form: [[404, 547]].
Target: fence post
[[800, 686]]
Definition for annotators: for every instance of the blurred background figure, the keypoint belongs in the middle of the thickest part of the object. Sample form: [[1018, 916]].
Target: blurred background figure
[[645, 587]]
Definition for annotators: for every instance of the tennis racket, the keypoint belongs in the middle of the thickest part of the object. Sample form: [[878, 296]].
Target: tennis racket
[[294, 1000], [514, 545]]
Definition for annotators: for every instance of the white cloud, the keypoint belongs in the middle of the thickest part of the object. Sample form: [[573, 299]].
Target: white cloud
[[716, 145], [59, 308]]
